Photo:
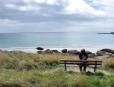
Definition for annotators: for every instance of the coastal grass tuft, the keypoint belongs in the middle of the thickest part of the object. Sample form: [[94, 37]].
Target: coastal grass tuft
[[109, 63]]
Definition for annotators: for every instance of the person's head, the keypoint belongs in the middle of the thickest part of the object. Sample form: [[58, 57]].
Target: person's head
[[82, 50]]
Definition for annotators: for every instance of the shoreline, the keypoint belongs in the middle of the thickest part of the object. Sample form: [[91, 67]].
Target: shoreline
[[34, 50]]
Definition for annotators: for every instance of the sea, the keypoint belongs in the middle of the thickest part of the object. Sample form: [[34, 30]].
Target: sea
[[28, 41]]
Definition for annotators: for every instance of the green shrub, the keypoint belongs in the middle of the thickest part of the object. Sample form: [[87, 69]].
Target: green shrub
[[9, 65], [10, 85], [99, 74]]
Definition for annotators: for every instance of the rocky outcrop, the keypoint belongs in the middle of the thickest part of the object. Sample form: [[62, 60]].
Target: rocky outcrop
[[88, 52], [100, 53], [108, 50], [105, 53], [40, 48], [48, 51], [73, 52], [64, 50], [92, 55], [40, 52], [55, 51]]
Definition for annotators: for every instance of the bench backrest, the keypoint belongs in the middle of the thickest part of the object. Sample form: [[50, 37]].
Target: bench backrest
[[78, 62]]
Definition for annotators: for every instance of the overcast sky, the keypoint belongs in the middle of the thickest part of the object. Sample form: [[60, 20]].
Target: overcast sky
[[56, 15]]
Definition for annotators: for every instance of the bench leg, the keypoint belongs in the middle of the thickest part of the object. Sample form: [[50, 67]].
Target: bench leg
[[65, 66], [95, 68]]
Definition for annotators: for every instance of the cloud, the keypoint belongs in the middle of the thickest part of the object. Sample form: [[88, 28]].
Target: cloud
[[43, 10], [49, 15], [50, 2], [105, 5], [23, 8], [81, 7]]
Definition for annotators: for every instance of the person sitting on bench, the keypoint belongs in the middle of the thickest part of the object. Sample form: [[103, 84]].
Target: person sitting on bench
[[83, 56]]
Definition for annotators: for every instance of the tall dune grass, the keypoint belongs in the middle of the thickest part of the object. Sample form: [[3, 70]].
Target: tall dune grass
[[20, 60], [109, 63]]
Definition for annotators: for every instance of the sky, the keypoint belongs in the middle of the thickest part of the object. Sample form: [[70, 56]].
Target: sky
[[56, 15]]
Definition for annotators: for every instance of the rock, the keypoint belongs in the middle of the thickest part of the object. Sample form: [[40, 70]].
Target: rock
[[100, 53], [112, 55], [108, 50], [40, 52], [55, 51], [105, 53], [40, 48], [64, 51], [48, 51], [92, 55], [74, 52], [88, 52], [102, 57]]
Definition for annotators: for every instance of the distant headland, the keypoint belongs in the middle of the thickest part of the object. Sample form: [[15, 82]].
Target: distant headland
[[107, 33]]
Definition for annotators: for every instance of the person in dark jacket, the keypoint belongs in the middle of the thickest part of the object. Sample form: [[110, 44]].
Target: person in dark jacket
[[83, 56]]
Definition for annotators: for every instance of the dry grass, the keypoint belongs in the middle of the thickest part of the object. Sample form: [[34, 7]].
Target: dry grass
[[20, 60], [108, 63]]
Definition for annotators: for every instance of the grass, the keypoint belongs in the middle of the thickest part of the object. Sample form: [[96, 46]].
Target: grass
[[35, 78], [109, 63], [19, 69]]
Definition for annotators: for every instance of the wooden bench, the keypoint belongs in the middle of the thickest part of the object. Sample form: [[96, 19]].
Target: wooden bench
[[80, 62]]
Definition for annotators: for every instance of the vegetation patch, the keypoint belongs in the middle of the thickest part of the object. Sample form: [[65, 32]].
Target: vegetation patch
[[19, 69], [109, 63]]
